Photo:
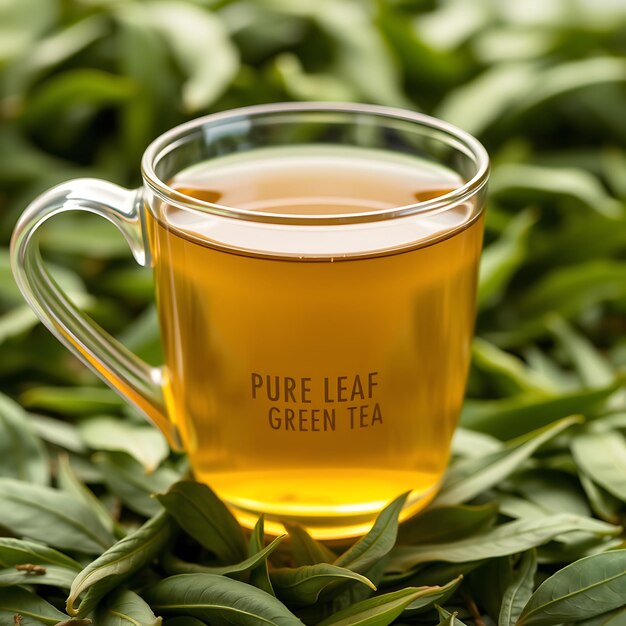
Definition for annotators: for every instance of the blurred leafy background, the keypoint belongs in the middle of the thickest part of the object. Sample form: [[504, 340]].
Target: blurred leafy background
[[85, 85]]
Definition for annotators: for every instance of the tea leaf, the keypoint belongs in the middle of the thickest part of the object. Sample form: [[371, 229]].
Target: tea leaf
[[447, 522], [237, 570], [423, 603], [572, 183], [202, 47], [119, 563], [17, 551], [604, 505], [519, 591], [183, 621], [501, 259], [124, 608], [131, 483], [51, 575], [380, 610], [72, 400], [70, 483], [508, 538], [448, 619], [58, 432], [218, 599], [602, 456], [470, 477], [202, 515], [33, 609], [593, 368], [304, 585], [368, 550], [51, 516], [589, 587], [514, 416], [259, 576], [143, 442], [22, 454], [612, 618], [305, 549]]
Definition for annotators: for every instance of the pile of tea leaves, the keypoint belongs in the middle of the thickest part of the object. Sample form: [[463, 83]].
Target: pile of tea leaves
[[99, 522]]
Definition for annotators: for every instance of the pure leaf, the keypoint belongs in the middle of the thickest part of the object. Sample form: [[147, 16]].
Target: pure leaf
[[22, 454], [508, 538], [218, 599], [126, 608], [380, 610], [33, 609], [305, 549], [586, 588], [201, 514], [602, 456], [119, 563], [519, 591], [52, 517], [473, 476], [368, 550], [304, 585], [143, 442]]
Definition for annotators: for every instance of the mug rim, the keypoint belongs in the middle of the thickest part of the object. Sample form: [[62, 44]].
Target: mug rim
[[171, 138]]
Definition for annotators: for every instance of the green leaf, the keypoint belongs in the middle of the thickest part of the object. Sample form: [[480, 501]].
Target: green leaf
[[509, 417], [52, 517], [368, 550], [119, 563], [593, 368], [126, 608], [33, 609], [508, 538], [612, 618], [519, 591], [218, 599], [183, 621], [22, 454], [305, 549], [202, 48], [203, 516], [448, 619], [143, 442], [586, 588], [259, 576], [439, 594], [380, 610], [237, 570], [602, 456], [49, 575], [447, 522], [127, 479], [501, 259], [58, 570], [470, 477], [501, 364], [72, 400], [520, 180], [605, 505], [70, 483], [303, 586], [57, 432]]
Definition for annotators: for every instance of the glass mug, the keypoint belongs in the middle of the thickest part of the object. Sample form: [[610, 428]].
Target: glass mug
[[316, 351]]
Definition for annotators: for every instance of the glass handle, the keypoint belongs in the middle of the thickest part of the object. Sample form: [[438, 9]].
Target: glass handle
[[122, 370]]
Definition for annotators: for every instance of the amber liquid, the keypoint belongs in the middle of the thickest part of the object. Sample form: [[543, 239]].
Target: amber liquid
[[311, 385]]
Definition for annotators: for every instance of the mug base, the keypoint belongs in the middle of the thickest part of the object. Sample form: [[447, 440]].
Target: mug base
[[347, 511]]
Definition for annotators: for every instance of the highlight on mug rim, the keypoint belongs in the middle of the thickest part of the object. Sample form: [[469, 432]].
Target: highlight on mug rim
[[457, 138]]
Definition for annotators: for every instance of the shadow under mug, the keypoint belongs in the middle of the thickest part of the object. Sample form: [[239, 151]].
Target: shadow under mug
[[315, 365]]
